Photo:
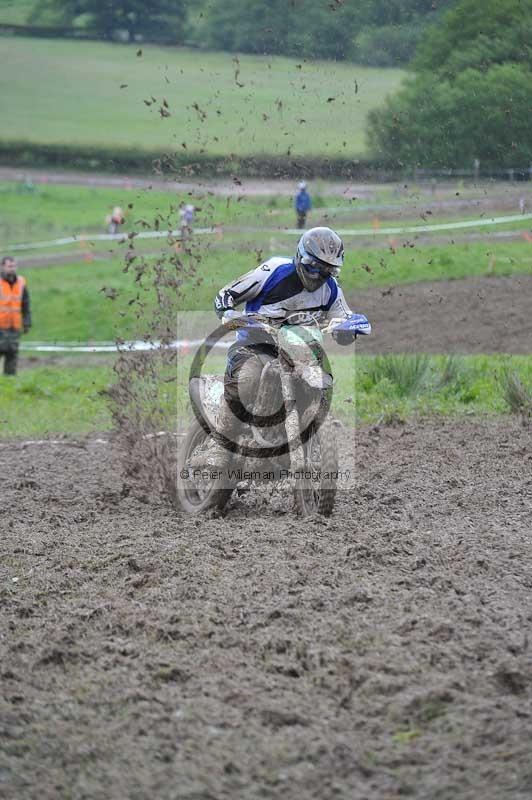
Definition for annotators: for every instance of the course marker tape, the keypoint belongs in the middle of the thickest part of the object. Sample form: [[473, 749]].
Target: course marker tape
[[82, 238], [113, 347], [444, 226], [375, 231]]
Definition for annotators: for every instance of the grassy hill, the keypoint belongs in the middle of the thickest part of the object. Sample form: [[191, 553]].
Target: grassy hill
[[93, 93]]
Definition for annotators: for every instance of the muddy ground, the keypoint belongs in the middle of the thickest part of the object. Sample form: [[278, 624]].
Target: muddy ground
[[380, 654], [470, 315]]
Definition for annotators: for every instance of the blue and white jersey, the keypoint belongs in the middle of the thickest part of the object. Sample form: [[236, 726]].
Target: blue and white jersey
[[274, 290]]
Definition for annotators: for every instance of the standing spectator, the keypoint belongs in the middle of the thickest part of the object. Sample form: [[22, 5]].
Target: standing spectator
[[302, 204], [186, 214], [15, 315], [115, 219]]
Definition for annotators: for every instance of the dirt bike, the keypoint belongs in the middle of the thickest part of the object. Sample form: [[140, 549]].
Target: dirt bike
[[298, 442]]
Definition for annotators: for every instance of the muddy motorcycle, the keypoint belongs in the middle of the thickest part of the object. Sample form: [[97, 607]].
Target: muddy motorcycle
[[290, 436]]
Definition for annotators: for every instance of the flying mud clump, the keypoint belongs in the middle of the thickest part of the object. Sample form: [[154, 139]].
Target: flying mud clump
[[145, 395]]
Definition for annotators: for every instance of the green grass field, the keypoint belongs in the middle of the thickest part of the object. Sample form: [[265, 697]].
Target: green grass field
[[53, 400], [363, 268], [33, 212], [63, 91], [69, 304], [68, 300]]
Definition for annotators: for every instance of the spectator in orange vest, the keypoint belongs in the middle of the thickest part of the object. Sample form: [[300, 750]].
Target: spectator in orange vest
[[15, 316]]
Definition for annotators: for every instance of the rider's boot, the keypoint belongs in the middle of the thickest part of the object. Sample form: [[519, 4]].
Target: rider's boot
[[216, 455]]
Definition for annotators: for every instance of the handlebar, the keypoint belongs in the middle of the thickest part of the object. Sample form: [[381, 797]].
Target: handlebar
[[235, 320]]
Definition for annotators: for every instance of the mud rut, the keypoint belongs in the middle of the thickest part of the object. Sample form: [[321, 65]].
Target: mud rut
[[379, 654]]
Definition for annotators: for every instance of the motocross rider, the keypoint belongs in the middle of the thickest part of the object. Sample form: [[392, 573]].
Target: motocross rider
[[279, 289]]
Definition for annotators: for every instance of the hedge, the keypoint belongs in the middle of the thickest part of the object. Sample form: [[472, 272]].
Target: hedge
[[135, 161], [167, 35]]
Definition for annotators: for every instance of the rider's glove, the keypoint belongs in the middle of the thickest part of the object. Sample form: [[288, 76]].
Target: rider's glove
[[223, 302], [347, 331]]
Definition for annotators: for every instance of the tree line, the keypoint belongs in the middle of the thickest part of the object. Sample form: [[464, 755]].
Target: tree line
[[468, 102], [373, 32]]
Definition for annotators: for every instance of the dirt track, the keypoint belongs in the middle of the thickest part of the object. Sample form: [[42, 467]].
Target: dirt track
[[471, 315], [379, 654]]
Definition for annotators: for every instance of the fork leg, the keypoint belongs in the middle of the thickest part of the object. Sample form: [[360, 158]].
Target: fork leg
[[297, 455]]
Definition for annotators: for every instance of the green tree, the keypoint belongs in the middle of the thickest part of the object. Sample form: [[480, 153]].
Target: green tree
[[108, 16], [393, 29], [434, 123], [303, 28], [477, 34], [471, 97], [318, 28], [399, 12]]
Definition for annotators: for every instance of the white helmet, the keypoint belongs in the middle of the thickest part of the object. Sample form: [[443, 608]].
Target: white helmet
[[319, 255], [302, 185]]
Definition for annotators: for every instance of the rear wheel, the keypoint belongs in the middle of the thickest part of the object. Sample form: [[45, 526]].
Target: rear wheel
[[315, 492], [197, 492]]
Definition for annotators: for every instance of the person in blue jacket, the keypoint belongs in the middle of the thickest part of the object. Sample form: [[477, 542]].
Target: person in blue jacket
[[302, 204]]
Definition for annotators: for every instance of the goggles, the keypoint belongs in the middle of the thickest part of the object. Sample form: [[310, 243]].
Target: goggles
[[315, 267]]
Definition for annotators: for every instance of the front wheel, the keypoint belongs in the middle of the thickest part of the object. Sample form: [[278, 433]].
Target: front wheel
[[198, 493], [315, 490]]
